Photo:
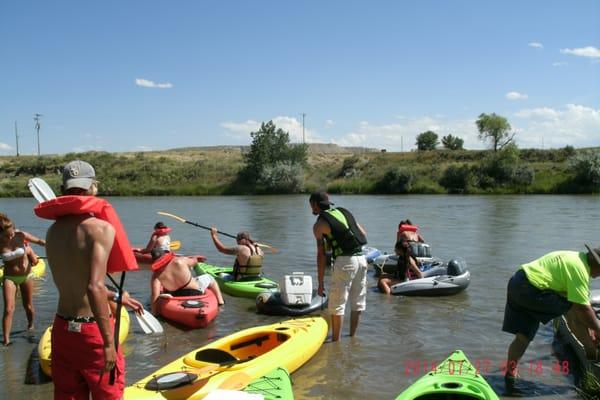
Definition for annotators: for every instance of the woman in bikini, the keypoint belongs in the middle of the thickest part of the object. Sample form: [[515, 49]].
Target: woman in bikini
[[406, 269], [18, 258]]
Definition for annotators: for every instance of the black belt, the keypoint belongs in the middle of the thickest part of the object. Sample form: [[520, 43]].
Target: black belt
[[83, 320], [358, 252]]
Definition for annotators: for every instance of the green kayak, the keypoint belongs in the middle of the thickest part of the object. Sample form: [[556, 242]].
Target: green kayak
[[275, 385], [455, 378], [247, 287]]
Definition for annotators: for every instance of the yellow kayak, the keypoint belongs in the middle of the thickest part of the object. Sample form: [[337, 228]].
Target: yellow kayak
[[233, 361], [37, 271], [45, 344]]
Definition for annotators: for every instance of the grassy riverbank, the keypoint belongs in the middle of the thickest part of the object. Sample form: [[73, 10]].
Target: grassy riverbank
[[215, 171]]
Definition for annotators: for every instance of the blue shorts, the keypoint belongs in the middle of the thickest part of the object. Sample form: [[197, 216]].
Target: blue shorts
[[527, 306]]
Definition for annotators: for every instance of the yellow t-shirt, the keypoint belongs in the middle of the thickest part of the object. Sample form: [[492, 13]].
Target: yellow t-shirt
[[565, 272]]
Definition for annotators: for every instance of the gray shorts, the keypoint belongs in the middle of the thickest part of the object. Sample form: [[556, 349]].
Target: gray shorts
[[204, 281], [527, 306]]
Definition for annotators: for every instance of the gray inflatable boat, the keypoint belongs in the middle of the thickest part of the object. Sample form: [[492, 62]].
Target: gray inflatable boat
[[456, 279]]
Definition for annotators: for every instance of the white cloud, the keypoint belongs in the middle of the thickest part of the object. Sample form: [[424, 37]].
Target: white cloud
[[143, 148], [541, 112], [151, 84], [241, 130], [589, 51], [536, 45], [402, 136], [516, 96], [329, 123], [5, 147], [560, 64], [574, 125]]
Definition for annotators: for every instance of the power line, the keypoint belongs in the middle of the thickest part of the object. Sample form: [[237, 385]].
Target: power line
[[303, 136], [36, 118], [17, 138]]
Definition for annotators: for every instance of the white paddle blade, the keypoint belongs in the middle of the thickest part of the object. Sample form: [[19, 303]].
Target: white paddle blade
[[148, 322], [40, 190]]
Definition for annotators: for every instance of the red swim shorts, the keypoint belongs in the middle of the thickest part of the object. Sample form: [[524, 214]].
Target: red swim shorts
[[78, 362]]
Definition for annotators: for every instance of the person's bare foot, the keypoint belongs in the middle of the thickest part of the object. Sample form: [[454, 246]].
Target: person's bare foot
[[30, 327]]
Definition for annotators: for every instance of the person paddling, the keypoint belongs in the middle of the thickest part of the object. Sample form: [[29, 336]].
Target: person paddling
[[248, 255], [86, 241]]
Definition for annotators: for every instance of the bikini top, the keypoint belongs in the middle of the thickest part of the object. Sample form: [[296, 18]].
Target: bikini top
[[11, 255]]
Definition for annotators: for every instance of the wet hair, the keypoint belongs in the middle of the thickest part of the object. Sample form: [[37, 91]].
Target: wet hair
[[5, 222], [244, 235]]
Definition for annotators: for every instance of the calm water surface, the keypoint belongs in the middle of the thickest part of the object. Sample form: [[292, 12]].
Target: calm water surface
[[492, 233]]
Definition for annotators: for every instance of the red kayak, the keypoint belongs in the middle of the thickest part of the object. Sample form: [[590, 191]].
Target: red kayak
[[192, 311]]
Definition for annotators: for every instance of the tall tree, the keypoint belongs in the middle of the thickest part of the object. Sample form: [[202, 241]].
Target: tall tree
[[427, 140], [452, 142], [271, 146], [496, 129]]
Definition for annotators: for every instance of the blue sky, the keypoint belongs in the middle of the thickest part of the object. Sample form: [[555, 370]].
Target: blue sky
[[150, 75]]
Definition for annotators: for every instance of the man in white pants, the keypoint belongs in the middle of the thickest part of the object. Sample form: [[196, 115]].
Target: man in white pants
[[345, 236]]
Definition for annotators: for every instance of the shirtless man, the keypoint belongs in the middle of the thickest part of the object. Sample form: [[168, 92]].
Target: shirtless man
[[175, 279], [83, 348]]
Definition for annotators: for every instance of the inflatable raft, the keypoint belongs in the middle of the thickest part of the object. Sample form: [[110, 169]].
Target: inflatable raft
[[271, 303], [456, 279]]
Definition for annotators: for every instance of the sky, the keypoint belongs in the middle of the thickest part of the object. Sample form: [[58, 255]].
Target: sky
[[154, 75]]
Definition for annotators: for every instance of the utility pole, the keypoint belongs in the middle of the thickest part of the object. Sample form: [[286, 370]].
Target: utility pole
[[17, 138], [402, 144], [36, 118], [303, 137]]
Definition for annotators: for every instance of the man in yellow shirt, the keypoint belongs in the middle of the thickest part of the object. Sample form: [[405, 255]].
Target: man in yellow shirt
[[544, 289]]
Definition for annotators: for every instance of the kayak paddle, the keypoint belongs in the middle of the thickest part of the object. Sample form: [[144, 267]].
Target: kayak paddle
[[40, 190], [148, 322], [180, 219]]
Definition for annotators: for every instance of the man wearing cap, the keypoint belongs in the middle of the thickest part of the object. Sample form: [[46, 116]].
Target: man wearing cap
[[85, 242], [345, 236], [248, 255], [544, 289]]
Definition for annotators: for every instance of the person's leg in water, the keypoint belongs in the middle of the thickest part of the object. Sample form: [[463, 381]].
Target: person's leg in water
[[27, 298], [9, 291]]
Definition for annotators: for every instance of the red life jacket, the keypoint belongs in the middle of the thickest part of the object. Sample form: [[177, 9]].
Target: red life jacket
[[162, 261], [162, 231], [406, 227], [121, 256]]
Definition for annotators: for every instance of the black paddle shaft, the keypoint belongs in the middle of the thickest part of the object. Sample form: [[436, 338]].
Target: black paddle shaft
[[208, 229], [120, 288]]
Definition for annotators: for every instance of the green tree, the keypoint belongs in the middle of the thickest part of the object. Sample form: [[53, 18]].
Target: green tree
[[271, 146], [427, 140], [496, 129], [452, 142]]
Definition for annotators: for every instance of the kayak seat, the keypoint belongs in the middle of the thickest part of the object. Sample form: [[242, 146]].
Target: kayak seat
[[216, 356]]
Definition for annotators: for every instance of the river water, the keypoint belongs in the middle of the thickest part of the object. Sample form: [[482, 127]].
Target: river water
[[398, 337]]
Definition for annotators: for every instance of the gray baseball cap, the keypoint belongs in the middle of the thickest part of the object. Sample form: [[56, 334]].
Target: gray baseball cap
[[78, 174]]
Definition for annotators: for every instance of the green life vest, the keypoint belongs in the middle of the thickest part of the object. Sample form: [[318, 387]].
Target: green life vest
[[253, 265], [345, 238]]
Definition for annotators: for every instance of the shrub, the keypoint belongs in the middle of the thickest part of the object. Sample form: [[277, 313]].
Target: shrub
[[586, 167], [282, 177], [397, 180], [524, 175], [349, 167], [457, 178]]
